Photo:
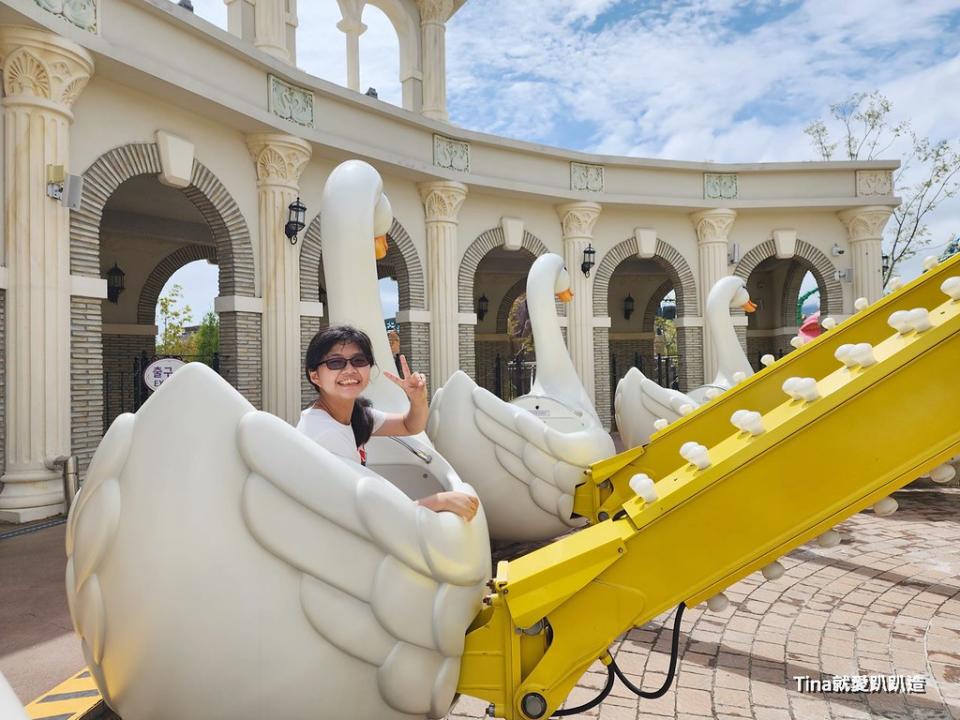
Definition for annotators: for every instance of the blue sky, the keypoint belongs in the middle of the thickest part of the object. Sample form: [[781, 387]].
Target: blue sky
[[718, 80]]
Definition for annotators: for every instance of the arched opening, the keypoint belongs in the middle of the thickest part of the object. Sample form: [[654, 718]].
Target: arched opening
[[157, 238], [786, 291], [505, 361], [380, 57]]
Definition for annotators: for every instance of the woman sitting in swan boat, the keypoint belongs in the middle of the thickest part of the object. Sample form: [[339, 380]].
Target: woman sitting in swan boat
[[338, 365]]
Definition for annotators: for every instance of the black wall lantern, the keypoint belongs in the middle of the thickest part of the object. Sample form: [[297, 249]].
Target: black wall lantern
[[482, 306], [322, 295], [115, 283], [884, 264], [296, 221], [588, 255], [628, 306]]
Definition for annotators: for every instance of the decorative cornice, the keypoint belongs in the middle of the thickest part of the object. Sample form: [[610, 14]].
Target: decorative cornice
[[435, 11], [43, 68], [720, 186], [874, 182], [451, 154], [279, 159], [578, 218], [442, 200], [586, 177], [289, 101], [713, 225], [85, 14], [865, 223]]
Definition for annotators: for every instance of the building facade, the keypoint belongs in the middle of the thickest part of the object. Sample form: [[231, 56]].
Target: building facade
[[192, 141]]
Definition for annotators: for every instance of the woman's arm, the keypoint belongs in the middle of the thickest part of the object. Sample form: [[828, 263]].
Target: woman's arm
[[414, 385]]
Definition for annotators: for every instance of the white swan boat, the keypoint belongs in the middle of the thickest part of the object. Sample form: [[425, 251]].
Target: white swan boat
[[640, 402], [525, 458]]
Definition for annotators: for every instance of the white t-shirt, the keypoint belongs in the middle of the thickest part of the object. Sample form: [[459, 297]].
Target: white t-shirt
[[333, 435]]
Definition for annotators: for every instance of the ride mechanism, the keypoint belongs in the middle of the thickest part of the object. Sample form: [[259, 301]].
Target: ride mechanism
[[842, 424]]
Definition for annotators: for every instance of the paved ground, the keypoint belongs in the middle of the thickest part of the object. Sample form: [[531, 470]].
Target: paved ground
[[886, 601]]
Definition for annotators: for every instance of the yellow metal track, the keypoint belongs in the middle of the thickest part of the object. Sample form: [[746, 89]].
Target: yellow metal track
[[872, 430], [73, 699]]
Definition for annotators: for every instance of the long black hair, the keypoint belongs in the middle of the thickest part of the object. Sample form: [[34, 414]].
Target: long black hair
[[361, 420]]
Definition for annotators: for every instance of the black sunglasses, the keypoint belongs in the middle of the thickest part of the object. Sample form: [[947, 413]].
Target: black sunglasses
[[339, 363]]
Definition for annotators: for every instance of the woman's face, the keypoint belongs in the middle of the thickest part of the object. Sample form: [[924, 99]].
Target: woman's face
[[346, 383]]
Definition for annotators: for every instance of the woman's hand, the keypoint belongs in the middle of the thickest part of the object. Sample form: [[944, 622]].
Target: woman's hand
[[413, 384], [464, 505]]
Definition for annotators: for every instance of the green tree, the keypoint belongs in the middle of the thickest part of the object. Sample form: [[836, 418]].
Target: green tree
[[173, 319], [206, 341], [928, 173]]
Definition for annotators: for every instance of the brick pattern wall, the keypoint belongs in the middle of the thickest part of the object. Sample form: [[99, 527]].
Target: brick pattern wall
[[637, 352], [690, 349], [241, 354], [119, 380], [601, 366], [486, 359], [415, 346], [468, 353], [164, 270], [309, 326], [3, 380], [86, 378]]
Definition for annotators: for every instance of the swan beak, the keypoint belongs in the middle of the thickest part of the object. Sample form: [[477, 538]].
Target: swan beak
[[749, 306], [380, 243], [565, 295]]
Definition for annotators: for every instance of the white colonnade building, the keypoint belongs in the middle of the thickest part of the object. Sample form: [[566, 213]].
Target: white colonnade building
[[191, 141]]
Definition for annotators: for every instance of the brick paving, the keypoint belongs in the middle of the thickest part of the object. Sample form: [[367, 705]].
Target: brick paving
[[886, 601]]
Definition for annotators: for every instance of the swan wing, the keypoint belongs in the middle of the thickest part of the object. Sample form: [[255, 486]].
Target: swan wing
[[359, 544], [639, 402]]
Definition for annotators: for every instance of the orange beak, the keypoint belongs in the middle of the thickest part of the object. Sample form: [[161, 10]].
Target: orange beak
[[565, 296], [380, 245], [748, 306]]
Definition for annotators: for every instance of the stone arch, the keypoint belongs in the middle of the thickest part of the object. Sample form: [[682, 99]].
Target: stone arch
[[150, 293], [221, 212], [676, 267], [484, 243], [503, 312], [831, 292], [658, 295]]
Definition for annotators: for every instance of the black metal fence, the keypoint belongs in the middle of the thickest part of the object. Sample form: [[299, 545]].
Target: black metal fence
[[664, 369], [507, 377]]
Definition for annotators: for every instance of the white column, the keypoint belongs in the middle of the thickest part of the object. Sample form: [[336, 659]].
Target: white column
[[270, 28], [442, 201], [713, 229], [865, 231], [279, 160], [353, 29], [43, 74], [577, 220], [433, 16]]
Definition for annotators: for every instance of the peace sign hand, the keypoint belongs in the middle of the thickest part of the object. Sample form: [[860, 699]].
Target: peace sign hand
[[413, 384]]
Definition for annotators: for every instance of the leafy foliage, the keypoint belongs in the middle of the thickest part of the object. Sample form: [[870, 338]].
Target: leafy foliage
[[928, 174], [206, 341], [173, 319]]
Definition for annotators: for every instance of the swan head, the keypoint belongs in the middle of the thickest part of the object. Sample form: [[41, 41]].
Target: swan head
[[382, 220], [562, 286], [741, 299], [730, 291]]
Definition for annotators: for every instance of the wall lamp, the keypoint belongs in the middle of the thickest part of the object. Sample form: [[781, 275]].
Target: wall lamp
[[628, 307], [115, 283], [482, 306], [588, 260], [295, 221]]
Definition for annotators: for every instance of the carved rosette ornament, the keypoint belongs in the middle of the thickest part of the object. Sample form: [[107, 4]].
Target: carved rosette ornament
[[42, 69], [442, 200], [279, 159], [713, 226], [865, 223], [578, 218], [435, 11]]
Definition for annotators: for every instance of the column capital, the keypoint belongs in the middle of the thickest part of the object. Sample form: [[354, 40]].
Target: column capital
[[279, 159], [577, 219], [42, 69], [713, 225], [435, 11], [349, 25], [442, 200], [865, 223]]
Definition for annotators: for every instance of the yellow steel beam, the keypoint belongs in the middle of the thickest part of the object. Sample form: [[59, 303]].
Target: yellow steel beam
[[872, 430]]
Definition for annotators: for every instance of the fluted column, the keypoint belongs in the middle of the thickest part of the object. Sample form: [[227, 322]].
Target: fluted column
[[713, 229], [442, 201], [577, 220], [865, 231], [279, 161], [270, 28], [433, 16], [43, 74]]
